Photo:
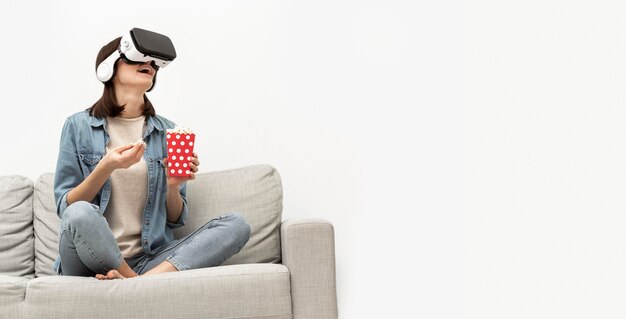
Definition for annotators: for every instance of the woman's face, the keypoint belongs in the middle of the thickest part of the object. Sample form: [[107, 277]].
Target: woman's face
[[137, 76]]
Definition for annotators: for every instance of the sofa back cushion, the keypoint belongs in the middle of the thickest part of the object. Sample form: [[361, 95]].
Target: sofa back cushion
[[46, 224], [255, 192], [16, 226]]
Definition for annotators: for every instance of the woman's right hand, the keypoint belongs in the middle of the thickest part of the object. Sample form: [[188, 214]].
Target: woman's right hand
[[123, 156]]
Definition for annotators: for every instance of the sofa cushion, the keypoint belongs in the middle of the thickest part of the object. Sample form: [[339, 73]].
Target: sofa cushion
[[253, 191], [236, 291], [16, 226], [12, 293], [46, 224]]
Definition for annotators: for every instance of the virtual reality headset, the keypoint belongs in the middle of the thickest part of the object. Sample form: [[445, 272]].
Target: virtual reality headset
[[138, 46]]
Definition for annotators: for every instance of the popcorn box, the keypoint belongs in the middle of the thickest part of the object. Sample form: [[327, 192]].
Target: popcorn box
[[179, 151]]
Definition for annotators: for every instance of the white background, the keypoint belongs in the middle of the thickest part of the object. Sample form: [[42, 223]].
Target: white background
[[469, 154]]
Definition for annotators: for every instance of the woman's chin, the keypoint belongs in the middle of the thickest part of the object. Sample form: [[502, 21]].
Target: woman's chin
[[142, 85], [141, 82]]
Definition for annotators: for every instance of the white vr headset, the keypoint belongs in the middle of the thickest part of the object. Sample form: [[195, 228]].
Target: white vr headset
[[138, 46]]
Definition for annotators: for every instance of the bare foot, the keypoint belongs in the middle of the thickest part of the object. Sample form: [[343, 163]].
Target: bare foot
[[112, 274]]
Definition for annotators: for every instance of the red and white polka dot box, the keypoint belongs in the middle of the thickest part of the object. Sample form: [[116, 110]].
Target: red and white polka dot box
[[180, 143]]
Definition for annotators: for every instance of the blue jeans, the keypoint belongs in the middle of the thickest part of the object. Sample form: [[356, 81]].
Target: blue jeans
[[87, 246]]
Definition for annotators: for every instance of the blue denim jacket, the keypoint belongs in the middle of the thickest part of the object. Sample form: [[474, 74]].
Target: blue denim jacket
[[83, 142]]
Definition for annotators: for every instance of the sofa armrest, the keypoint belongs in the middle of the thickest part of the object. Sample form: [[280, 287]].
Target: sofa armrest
[[308, 251]]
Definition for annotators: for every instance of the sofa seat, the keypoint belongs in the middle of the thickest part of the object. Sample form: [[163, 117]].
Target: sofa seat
[[12, 291], [234, 291]]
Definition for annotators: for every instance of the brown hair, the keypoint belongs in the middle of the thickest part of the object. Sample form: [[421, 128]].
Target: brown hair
[[107, 104]]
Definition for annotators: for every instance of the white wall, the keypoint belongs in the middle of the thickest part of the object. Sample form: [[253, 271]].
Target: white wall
[[470, 154], [545, 85]]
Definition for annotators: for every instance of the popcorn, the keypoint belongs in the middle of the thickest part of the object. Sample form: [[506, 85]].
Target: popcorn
[[180, 130], [139, 141], [180, 143]]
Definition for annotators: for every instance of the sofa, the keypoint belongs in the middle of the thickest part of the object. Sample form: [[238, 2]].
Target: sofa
[[286, 270]]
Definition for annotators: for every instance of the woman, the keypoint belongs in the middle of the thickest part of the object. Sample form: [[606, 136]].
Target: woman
[[114, 224]]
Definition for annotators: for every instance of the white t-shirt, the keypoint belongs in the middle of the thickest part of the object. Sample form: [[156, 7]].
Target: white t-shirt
[[129, 187]]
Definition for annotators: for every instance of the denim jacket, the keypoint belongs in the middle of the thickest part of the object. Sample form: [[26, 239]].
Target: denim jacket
[[83, 144]]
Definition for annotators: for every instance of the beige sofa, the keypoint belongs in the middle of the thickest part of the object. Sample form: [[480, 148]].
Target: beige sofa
[[286, 270]]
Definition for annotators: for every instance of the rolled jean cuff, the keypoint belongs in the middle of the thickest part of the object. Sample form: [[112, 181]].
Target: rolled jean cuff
[[176, 263], [120, 258]]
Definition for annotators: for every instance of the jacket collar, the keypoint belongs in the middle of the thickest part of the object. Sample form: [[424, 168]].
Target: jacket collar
[[96, 121]]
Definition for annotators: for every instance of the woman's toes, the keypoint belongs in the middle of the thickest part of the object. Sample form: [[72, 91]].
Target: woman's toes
[[114, 274], [111, 274]]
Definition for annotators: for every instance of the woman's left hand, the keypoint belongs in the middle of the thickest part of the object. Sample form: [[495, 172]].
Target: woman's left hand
[[177, 180]]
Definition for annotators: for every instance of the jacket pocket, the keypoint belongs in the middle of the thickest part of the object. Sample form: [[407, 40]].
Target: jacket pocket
[[88, 162]]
